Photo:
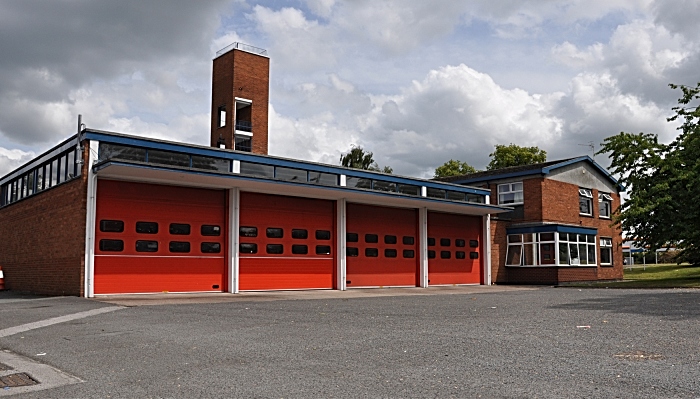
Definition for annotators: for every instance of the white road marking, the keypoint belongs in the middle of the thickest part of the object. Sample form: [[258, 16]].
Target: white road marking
[[56, 320]]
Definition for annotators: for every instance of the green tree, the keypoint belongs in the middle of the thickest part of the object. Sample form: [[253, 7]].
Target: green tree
[[454, 168], [358, 158], [662, 181], [515, 155]]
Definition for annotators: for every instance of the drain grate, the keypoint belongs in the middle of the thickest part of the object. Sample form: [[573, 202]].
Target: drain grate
[[4, 367], [16, 380], [639, 355]]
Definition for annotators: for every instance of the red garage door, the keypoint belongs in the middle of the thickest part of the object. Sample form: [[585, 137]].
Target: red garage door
[[454, 249], [381, 246], [286, 243], [153, 238]]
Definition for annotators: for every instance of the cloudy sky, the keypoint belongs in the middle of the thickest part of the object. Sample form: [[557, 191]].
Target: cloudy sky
[[416, 82]]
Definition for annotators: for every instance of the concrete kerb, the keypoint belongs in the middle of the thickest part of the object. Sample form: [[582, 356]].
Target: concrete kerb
[[263, 296]]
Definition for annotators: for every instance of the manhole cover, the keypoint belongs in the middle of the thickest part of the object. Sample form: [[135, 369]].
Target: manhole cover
[[16, 380], [4, 367], [639, 355]]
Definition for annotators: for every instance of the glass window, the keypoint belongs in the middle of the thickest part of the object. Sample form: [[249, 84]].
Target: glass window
[[54, 172], [111, 226], [479, 199], [407, 240], [604, 205], [213, 248], [436, 193], [248, 248], [247, 231], [40, 178], [357, 182], [209, 163], [371, 238], [323, 235], [547, 254], [179, 246], [474, 243], [146, 246], [460, 243], [300, 249], [460, 255], [585, 201], [274, 249], [390, 253], [445, 255], [300, 234], [445, 242], [409, 253], [351, 237], [431, 254], [351, 251], [573, 254], [456, 196], [473, 255], [408, 189], [111, 245], [371, 252], [274, 232], [512, 238], [605, 251], [70, 165], [121, 152], [323, 249], [379, 185], [546, 236], [530, 256], [243, 143], [514, 255], [510, 193], [326, 179], [288, 174], [431, 241], [168, 158], [147, 227], [388, 239], [30, 183], [254, 169], [210, 230], [179, 229]]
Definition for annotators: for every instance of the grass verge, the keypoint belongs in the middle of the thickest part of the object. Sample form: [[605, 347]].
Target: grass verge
[[655, 276]]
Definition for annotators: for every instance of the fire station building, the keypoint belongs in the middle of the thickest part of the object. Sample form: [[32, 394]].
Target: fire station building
[[109, 213]]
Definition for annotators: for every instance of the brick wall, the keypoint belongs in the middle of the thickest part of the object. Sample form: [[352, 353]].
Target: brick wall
[[554, 201], [244, 75], [42, 249]]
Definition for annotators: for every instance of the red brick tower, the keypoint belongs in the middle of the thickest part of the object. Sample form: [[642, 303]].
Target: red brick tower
[[240, 97]]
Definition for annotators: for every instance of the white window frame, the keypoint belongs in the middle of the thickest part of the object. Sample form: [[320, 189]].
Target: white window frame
[[510, 188], [586, 242], [587, 195], [521, 243], [606, 243], [605, 198]]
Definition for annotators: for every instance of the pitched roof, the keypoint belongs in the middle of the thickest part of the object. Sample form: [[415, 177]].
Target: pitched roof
[[526, 170]]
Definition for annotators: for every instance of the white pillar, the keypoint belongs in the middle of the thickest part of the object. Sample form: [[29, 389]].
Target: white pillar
[[423, 246], [341, 247], [234, 211], [486, 245], [90, 210]]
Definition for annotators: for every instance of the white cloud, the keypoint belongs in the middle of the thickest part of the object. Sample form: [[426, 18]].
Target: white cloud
[[12, 159]]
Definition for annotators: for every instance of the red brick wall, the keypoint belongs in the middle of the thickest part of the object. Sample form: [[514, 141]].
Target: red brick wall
[[553, 201], [244, 75], [42, 249]]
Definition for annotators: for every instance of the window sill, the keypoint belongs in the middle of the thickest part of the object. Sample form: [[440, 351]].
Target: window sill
[[586, 215], [513, 204], [604, 217]]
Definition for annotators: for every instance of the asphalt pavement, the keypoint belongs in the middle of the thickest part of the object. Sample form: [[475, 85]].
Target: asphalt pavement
[[487, 342]]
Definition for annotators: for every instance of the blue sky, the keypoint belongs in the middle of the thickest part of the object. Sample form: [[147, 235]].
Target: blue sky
[[415, 82]]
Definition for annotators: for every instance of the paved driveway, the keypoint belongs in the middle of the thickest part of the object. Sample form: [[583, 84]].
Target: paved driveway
[[485, 342]]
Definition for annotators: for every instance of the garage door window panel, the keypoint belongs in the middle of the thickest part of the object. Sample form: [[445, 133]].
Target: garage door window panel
[[371, 252], [300, 249], [180, 229], [323, 235], [274, 249], [111, 226], [352, 252], [274, 232], [147, 227], [247, 231], [211, 248], [371, 238], [390, 253], [407, 240], [300, 234], [323, 249], [352, 237], [111, 245], [248, 248], [210, 230], [179, 247], [146, 246]]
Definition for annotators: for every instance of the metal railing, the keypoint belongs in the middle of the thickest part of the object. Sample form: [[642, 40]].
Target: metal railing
[[243, 47], [244, 126]]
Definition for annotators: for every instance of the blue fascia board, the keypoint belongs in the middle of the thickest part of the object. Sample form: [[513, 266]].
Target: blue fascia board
[[190, 149], [544, 171], [103, 165], [551, 228]]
